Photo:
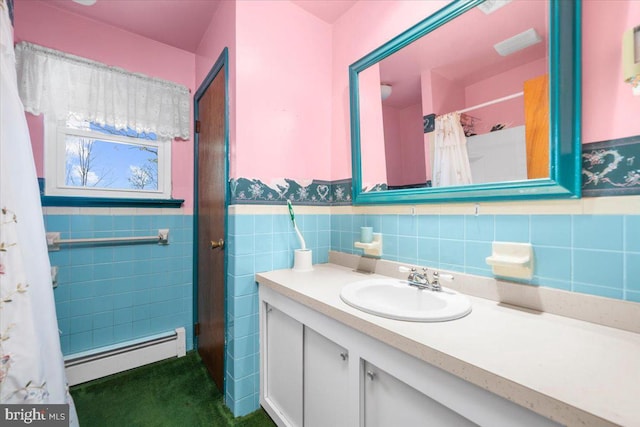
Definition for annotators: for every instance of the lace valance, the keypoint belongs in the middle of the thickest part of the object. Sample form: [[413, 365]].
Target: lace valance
[[53, 82]]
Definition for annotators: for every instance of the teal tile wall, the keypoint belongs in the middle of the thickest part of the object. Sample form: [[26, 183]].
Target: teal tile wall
[[592, 254], [588, 254], [113, 294], [258, 243], [108, 294]]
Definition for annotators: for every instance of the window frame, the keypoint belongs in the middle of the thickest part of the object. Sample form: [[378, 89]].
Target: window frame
[[55, 187]]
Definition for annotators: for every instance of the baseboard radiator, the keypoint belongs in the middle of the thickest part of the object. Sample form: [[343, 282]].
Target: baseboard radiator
[[99, 363]]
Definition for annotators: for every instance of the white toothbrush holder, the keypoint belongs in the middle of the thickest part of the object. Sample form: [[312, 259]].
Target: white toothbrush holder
[[302, 260]]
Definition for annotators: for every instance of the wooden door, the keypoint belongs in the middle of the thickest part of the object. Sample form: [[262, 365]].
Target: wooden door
[[210, 227]]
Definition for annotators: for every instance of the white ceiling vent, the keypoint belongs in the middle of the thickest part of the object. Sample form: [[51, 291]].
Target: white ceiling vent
[[518, 42]]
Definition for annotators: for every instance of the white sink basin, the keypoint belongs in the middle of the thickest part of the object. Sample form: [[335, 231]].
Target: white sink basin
[[396, 299]]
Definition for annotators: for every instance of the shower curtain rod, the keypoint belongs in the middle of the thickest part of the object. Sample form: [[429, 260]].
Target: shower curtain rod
[[495, 101]]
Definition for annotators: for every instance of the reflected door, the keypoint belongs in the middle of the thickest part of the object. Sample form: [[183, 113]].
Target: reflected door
[[536, 118]]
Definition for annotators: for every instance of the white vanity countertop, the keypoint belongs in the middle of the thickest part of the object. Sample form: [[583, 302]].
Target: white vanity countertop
[[575, 372]]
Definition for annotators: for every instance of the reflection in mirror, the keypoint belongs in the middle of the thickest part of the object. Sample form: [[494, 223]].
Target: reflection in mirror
[[485, 78], [468, 103]]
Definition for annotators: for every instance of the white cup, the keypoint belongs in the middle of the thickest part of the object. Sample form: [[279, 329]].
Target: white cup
[[366, 234]]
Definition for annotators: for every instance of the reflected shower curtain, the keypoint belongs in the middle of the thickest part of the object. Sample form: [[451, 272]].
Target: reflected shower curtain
[[31, 364], [451, 160]]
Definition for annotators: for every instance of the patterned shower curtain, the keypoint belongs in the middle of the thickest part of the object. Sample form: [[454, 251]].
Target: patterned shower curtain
[[451, 160], [31, 364]]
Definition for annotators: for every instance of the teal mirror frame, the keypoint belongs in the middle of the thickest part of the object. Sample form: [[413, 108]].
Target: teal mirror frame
[[565, 179]]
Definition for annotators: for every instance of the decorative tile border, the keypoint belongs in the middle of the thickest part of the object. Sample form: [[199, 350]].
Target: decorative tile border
[[377, 187], [611, 168], [278, 191]]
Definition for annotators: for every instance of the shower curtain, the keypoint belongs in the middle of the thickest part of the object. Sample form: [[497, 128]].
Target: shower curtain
[[31, 364], [451, 160]]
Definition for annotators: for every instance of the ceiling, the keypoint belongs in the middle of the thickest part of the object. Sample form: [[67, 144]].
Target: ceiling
[[328, 10], [462, 50], [178, 23]]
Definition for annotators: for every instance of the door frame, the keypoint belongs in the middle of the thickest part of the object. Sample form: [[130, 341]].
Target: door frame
[[222, 61]]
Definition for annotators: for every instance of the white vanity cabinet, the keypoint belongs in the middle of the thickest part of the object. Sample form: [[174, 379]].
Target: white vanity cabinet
[[326, 382], [317, 371], [390, 402], [282, 388]]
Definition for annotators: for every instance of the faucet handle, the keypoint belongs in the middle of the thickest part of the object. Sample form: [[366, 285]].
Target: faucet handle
[[403, 269], [444, 276], [435, 284]]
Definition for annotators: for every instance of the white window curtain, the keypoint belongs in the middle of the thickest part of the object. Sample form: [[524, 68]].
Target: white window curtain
[[451, 160], [31, 364], [62, 85]]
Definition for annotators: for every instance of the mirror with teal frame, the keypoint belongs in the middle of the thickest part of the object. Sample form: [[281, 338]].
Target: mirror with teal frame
[[563, 66]]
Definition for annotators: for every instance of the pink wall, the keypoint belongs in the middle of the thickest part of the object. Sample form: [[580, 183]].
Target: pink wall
[[509, 112], [291, 92], [609, 110], [373, 156], [36, 130], [412, 137], [221, 33], [37, 22], [392, 146], [425, 92], [283, 92], [279, 88], [404, 145], [364, 27], [446, 95], [503, 84]]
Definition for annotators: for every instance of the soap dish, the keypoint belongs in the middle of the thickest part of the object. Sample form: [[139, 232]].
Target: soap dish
[[373, 249], [512, 260]]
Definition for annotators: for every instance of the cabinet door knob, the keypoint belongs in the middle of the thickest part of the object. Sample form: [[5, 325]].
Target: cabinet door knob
[[371, 375], [344, 355]]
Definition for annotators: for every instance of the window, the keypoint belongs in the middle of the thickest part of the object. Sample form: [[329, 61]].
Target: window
[[87, 159]]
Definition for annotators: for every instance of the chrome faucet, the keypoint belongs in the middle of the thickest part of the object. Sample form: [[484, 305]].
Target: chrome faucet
[[435, 284], [421, 280]]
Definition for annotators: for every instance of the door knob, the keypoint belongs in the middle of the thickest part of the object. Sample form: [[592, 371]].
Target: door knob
[[217, 244]]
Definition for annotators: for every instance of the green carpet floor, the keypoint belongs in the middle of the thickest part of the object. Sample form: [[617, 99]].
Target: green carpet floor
[[172, 393]]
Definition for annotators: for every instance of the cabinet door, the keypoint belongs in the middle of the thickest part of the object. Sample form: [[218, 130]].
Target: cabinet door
[[283, 382], [326, 377], [391, 402]]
